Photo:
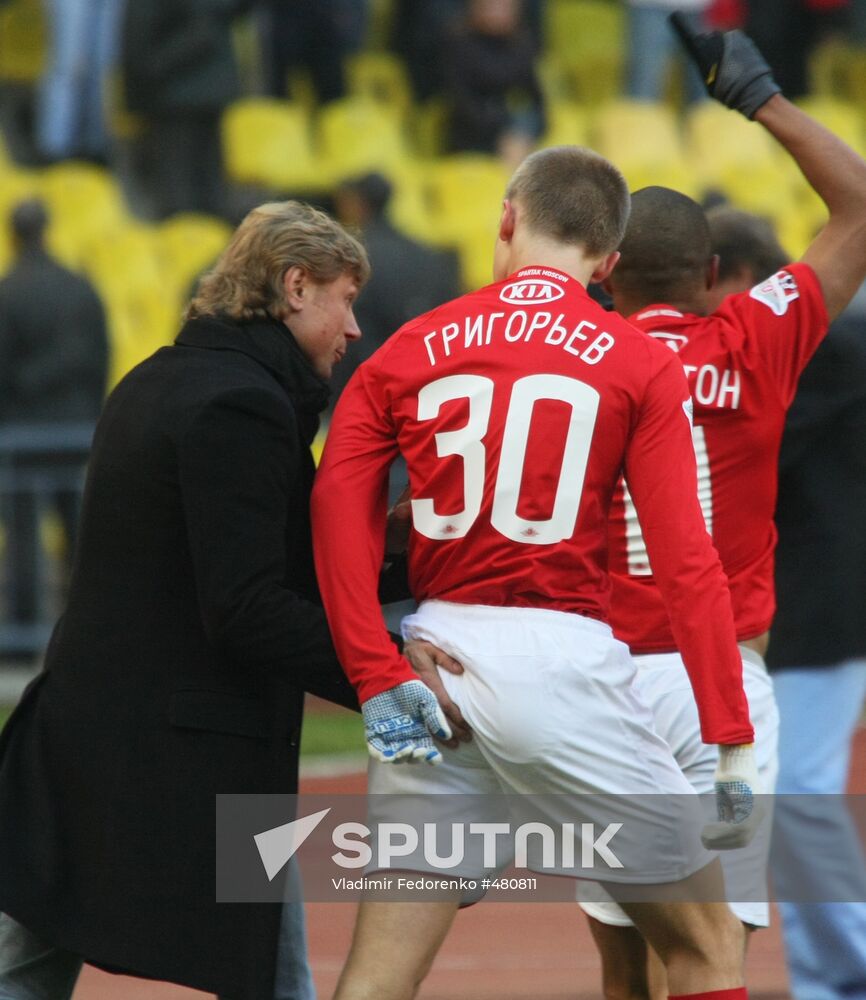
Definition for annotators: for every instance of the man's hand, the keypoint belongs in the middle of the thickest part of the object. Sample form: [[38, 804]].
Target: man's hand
[[400, 724], [738, 800], [399, 525], [731, 65], [427, 660]]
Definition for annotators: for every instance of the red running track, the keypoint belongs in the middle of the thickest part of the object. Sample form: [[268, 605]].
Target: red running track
[[495, 951]]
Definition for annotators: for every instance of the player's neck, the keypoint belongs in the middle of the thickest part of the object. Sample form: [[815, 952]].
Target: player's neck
[[628, 305], [569, 260]]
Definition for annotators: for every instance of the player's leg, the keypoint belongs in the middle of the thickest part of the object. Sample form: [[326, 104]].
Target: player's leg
[[393, 948], [395, 941], [662, 683], [624, 962], [700, 944]]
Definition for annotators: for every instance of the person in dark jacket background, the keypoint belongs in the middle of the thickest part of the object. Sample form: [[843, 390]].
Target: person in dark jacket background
[[408, 278], [817, 657], [53, 368], [180, 73], [817, 651], [193, 629], [495, 102]]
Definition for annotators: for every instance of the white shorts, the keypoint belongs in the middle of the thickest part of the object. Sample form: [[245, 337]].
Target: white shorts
[[554, 715], [663, 684]]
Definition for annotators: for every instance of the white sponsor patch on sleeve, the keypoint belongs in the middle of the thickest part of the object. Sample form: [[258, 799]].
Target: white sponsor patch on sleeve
[[689, 410], [776, 292]]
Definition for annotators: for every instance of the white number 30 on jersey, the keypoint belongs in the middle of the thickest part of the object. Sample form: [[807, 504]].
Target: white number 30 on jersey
[[468, 443]]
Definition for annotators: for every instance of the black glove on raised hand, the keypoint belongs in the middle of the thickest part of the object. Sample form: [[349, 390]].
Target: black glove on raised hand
[[731, 65]]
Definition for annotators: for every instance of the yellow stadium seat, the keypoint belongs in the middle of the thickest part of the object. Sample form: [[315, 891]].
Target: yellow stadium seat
[[267, 142], [22, 41], [643, 139], [380, 77], [139, 323], [731, 154], [188, 244], [637, 130], [844, 118], [84, 201], [829, 68], [567, 124], [410, 208], [427, 125], [358, 134], [466, 192], [475, 251], [586, 37], [127, 258]]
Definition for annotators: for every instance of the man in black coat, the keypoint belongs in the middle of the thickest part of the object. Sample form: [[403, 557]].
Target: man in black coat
[[193, 629]]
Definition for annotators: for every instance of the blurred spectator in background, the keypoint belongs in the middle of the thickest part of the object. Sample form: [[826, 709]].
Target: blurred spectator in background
[[408, 278], [421, 31], [818, 647], [495, 103], [180, 74], [53, 364], [817, 651], [83, 43], [787, 31], [652, 45], [314, 34]]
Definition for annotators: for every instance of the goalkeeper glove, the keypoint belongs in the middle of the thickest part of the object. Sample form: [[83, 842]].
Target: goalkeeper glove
[[731, 65], [738, 800], [400, 724]]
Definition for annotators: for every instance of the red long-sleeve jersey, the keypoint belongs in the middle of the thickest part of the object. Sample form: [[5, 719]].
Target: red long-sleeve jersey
[[517, 408], [742, 363]]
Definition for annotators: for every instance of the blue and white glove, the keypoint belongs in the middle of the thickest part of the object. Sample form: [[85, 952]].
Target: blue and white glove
[[738, 800], [400, 724]]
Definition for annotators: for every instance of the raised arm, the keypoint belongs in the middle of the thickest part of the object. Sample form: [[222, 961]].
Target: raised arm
[[838, 175], [737, 75]]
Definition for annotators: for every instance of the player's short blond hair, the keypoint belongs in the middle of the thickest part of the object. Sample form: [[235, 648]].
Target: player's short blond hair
[[572, 195], [247, 280]]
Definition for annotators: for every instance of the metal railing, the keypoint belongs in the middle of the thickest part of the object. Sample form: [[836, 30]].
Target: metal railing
[[41, 470]]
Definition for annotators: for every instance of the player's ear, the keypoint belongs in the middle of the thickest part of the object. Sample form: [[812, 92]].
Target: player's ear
[[604, 267], [712, 271], [296, 282], [507, 221]]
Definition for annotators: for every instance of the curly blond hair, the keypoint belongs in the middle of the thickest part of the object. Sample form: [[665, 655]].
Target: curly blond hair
[[247, 280]]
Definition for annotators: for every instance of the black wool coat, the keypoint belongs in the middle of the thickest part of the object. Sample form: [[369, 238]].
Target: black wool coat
[[178, 670], [821, 511]]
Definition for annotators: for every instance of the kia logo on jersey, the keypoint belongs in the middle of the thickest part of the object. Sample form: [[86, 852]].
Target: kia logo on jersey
[[534, 292]]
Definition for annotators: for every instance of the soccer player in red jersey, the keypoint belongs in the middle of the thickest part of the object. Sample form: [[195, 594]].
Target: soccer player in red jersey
[[516, 409], [743, 356]]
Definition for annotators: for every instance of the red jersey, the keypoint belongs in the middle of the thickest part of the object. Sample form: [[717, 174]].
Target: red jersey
[[742, 363], [517, 408]]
